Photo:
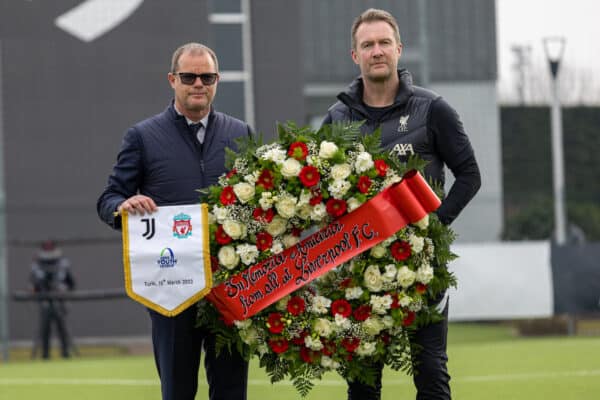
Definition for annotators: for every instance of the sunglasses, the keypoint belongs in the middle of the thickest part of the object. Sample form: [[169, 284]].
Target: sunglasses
[[188, 78]]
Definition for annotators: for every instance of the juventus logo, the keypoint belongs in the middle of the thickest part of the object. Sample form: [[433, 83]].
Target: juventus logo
[[91, 19], [149, 234]]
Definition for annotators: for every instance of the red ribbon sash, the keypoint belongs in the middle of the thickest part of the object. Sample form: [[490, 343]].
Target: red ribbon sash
[[254, 289]]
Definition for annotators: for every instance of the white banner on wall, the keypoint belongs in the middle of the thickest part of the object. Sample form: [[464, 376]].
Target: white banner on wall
[[503, 280]]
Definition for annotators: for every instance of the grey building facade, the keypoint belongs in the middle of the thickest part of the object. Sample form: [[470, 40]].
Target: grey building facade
[[69, 90]]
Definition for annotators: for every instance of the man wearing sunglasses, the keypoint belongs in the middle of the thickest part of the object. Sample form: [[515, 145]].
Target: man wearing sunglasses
[[163, 161]]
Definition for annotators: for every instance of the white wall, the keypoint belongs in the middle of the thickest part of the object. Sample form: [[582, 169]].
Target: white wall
[[476, 103]]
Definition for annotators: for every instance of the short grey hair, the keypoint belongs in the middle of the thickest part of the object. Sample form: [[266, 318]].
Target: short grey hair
[[192, 48]]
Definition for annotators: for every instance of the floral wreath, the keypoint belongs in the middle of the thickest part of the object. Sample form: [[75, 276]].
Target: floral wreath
[[360, 314]]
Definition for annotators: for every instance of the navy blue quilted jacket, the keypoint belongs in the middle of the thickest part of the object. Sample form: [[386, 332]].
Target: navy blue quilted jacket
[[161, 158]]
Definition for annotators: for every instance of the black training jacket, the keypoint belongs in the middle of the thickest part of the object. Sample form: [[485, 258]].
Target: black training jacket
[[423, 123]]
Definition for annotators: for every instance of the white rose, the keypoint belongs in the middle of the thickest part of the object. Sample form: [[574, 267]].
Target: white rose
[[247, 252], [266, 200], [243, 191], [290, 168], [329, 363], [319, 212], [378, 251], [416, 243], [327, 149], [372, 326], [304, 199], [245, 324], [281, 305], [404, 300], [277, 226], [380, 304], [365, 348], [313, 344], [353, 204], [340, 171], [424, 273], [323, 327], [286, 206], [339, 188], [228, 257], [363, 162], [249, 336], [390, 179], [353, 293], [277, 247], [320, 305], [388, 321], [342, 323], [276, 155], [406, 276], [390, 273], [290, 240], [423, 223], [304, 211], [234, 229], [221, 213], [372, 278]]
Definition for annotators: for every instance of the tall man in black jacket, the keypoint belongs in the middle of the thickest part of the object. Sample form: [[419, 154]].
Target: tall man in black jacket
[[413, 120], [163, 160]]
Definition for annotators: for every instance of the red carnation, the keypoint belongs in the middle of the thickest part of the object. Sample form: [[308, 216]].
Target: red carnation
[[263, 216], [395, 301], [409, 319], [309, 176], [296, 231], [364, 183], [328, 347], [336, 207], [214, 264], [400, 250], [362, 312], [263, 241], [296, 305], [342, 307], [265, 179], [385, 338], [278, 345], [308, 356], [316, 199], [350, 344], [231, 173], [300, 339], [221, 237], [345, 284], [420, 288], [275, 323], [298, 150], [227, 196], [381, 167]]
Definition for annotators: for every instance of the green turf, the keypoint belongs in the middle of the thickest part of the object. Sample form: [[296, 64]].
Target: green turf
[[486, 362]]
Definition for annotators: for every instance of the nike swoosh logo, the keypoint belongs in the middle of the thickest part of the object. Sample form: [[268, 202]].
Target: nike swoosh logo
[[93, 18]]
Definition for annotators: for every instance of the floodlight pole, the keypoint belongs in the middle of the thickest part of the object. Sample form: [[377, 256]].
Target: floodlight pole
[[554, 48]]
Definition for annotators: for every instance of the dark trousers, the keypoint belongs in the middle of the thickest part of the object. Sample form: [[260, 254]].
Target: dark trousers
[[177, 346], [431, 375], [53, 313]]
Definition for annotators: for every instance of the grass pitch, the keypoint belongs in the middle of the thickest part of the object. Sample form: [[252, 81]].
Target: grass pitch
[[486, 362]]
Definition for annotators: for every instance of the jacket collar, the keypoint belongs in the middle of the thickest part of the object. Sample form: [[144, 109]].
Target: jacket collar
[[353, 96]]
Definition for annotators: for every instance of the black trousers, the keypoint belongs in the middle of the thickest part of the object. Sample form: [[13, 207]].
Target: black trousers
[[53, 313], [177, 346], [431, 374]]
